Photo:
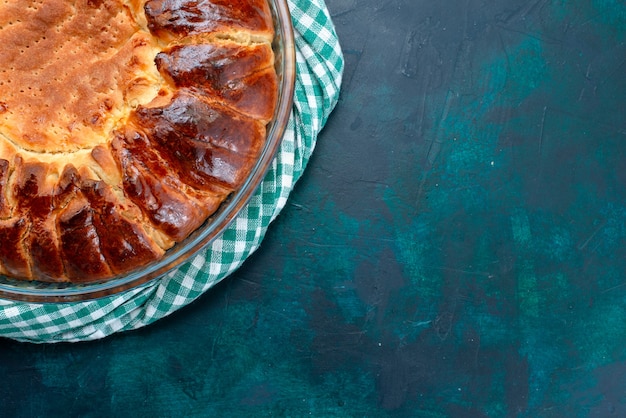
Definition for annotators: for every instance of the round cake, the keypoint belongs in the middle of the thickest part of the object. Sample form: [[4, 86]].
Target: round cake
[[123, 127]]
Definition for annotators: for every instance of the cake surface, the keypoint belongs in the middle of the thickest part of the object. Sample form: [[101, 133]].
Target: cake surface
[[123, 126]]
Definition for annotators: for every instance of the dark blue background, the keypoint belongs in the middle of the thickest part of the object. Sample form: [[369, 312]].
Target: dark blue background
[[455, 247]]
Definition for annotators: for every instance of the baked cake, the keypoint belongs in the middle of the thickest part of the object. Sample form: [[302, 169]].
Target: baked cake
[[123, 126]]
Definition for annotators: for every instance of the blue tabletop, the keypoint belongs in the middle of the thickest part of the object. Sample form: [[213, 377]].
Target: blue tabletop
[[455, 247]]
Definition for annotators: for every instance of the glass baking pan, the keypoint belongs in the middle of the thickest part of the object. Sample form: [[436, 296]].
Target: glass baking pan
[[284, 49]]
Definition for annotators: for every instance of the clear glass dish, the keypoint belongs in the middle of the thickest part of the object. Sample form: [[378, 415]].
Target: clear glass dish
[[33, 291]]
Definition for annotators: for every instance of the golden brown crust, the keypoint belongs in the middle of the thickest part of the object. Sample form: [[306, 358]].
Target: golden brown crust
[[5, 209], [66, 71], [123, 242], [205, 143], [242, 77], [35, 204], [176, 19], [80, 243], [123, 126], [13, 256], [162, 197]]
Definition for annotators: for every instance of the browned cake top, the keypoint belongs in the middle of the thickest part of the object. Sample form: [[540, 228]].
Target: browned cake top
[[71, 69], [123, 126]]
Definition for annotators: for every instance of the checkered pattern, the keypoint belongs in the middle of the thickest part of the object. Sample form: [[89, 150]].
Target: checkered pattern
[[319, 65]]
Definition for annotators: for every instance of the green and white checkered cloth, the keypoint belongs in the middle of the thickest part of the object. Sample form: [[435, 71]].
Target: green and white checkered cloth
[[319, 66]]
